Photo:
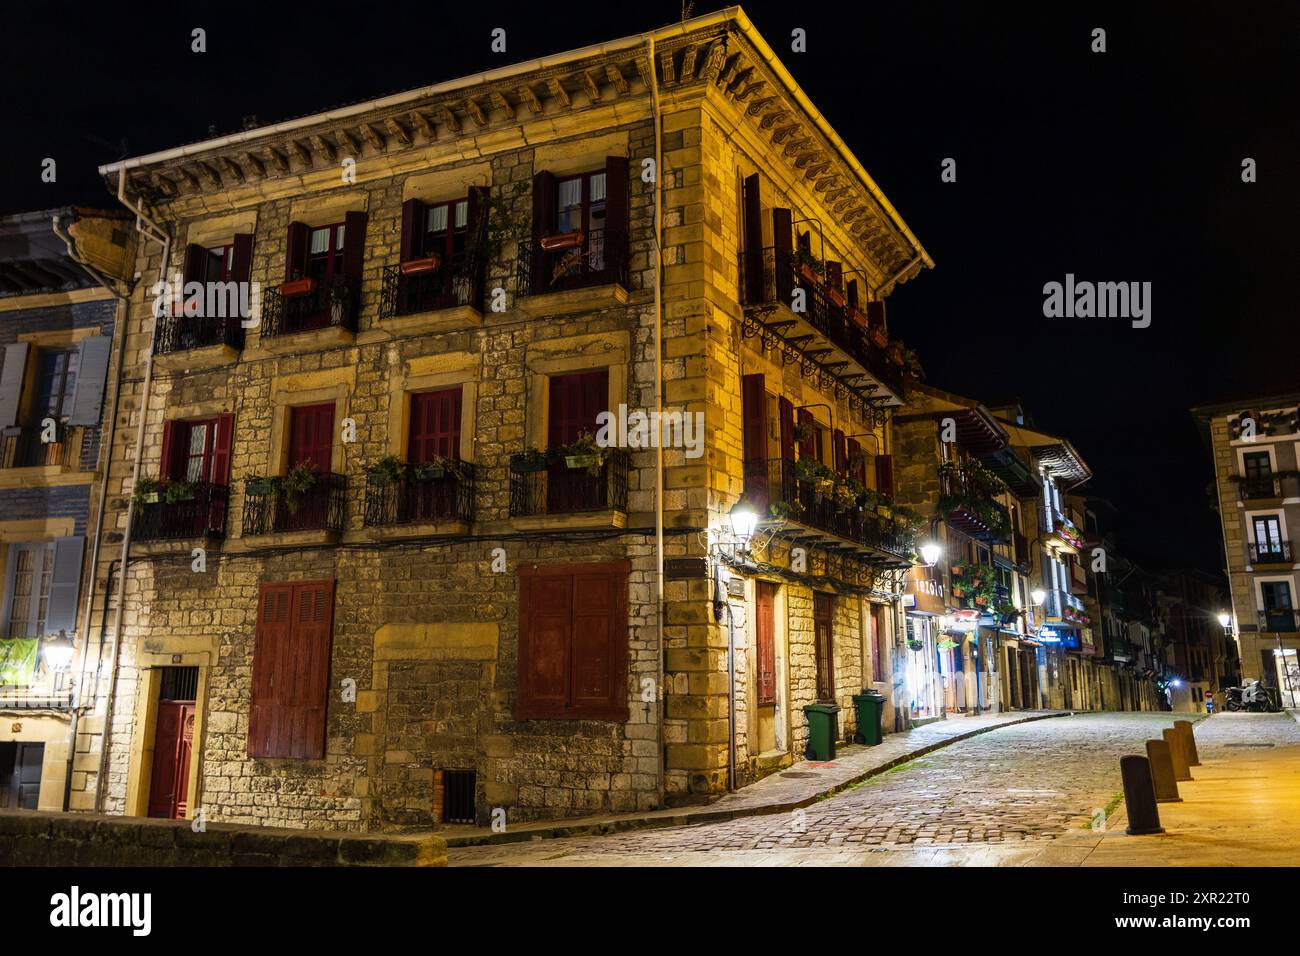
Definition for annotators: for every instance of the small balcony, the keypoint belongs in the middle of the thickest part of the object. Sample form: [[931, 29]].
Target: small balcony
[[412, 290], [199, 511], [1278, 621], [422, 500], [1259, 553], [197, 341], [775, 489], [560, 490], [855, 351], [553, 269], [309, 313], [966, 498], [23, 446], [1268, 487], [271, 508]]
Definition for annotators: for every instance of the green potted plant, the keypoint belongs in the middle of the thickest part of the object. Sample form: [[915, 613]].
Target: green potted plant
[[388, 470], [437, 468], [807, 265], [299, 480], [528, 460], [260, 485], [179, 490], [804, 431], [785, 509], [147, 491], [915, 645], [583, 452]]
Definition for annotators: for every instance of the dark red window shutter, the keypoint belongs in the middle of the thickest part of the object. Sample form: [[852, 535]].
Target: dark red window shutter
[[544, 199], [753, 226], [295, 250], [841, 454], [617, 199], [175, 434], [876, 315], [477, 215], [574, 402], [808, 447], [824, 644], [196, 263], [851, 293], [786, 410], [754, 399], [765, 640], [311, 435], [783, 241], [354, 244], [413, 216], [573, 633], [306, 679], [435, 425], [885, 475], [222, 443], [834, 274], [241, 258], [270, 646]]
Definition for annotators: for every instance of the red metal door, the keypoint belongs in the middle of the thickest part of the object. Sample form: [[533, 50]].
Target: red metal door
[[173, 740]]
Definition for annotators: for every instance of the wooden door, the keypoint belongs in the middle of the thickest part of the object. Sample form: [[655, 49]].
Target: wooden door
[[435, 425], [574, 402], [824, 646], [311, 442], [765, 641], [173, 740], [20, 789]]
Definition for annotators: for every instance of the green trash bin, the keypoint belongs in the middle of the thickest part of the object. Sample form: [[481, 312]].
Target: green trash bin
[[870, 707], [822, 731]]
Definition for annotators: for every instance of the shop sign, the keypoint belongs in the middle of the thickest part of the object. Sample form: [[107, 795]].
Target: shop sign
[[925, 591]]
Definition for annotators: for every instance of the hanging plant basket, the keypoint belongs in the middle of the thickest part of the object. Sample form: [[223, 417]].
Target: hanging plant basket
[[297, 287], [581, 461], [565, 240], [916, 645], [149, 497], [413, 267]]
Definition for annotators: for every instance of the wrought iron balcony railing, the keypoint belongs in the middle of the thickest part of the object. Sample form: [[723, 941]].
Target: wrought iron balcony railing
[[23, 446], [455, 283], [203, 514], [600, 259], [1278, 621], [776, 285], [268, 509], [563, 490], [179, 333], [412, 500], [1281, 485], [323, 305], [773, 487], [1268, 552], [970, 508]]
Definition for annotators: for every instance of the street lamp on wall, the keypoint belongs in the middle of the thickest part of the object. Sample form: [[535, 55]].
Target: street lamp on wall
[[931, 551], [744, 519]]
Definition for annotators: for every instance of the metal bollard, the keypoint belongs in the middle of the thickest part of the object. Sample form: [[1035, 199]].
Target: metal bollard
[[1162, 772], [1139, 795], [1176, 753], [1184, 727]]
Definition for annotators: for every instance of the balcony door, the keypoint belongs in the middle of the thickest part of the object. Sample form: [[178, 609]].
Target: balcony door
[[1257, 465], [435, 433], [1279, 614], [574, 402], [824, 645], [311, 443], [1268, 537]]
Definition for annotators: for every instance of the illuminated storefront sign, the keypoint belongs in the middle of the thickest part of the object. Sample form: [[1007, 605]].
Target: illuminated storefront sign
[[925, 592]]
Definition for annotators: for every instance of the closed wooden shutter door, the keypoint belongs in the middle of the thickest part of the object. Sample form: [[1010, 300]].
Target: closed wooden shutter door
[[808, 447], [222, 443], [435, 425], [574, 402], [11, 382], [885, 474], [544, 198], [841, 454], [765, 640], [413, 216], [174, 438], [311, 435], [241, 258], [856, 463], [545, 629], [295, 253], [754, 398], [92, 376], [354, 244], [876, 315], [616, 200], [594, 685], [824, 645], [834, 274], [785, 408], [65, 585], [753, 226], [271, 644], [195, 268]]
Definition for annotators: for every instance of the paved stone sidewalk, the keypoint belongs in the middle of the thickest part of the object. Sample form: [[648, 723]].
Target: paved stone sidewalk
[[797, 786]]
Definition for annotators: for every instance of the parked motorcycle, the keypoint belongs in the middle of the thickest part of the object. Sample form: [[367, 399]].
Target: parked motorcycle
[[1253, 697]]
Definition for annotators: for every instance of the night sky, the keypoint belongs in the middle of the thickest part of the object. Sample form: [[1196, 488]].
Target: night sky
[[1121, 166]]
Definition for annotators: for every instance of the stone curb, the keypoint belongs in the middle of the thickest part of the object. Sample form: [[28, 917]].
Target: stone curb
[[690, 818]]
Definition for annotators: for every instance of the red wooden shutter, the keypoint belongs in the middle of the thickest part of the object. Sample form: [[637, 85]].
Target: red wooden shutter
[[295, 250], [765, 640], [885, 475], [616, 200], [435, 425], [354, 244], [808, 447], [544, 199], [196, 264], [754, 401], [305, 689], [786, 410], [413, 217], [834, 274], [824, 644], [241, 258], [175, 435], [851, 293], [574, 402], [222, 443], [753, 226], [598, 668], [271, 644], [783, 241], [841, 454], [311, 435], [545, 623], [476, 215], [876, 315]]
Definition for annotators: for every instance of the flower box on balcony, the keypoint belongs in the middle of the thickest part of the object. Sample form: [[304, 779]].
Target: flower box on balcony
[[527, 462], [186, 308], [413, 267], [581, 461], [859, 317], [895, 353], [565, 240], [879, 337], [297, 287], [259, 486], [836, 296], [807, 272]]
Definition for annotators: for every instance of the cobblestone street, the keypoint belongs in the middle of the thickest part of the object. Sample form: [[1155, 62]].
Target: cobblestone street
[[1028, 787]]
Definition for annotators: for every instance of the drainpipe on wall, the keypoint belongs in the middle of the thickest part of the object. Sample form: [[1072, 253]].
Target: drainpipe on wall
[[119, 328], [660, 695], [148, 229]]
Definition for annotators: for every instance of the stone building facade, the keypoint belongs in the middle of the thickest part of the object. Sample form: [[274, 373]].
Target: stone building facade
[[354, 598]]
